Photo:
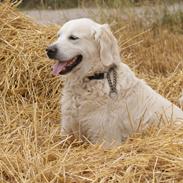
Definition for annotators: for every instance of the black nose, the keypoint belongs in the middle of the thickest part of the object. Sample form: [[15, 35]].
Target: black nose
[[51, 52]]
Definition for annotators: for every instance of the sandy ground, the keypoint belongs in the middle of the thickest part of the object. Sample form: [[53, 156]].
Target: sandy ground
[[147, 14]]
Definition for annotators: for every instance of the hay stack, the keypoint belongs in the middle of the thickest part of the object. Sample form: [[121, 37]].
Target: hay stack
[[24, 68], [30, 145]]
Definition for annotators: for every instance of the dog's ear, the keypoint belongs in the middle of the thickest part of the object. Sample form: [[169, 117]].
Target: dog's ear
[[108, 46]]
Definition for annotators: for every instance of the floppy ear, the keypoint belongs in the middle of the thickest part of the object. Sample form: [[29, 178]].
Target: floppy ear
[[109, 51]]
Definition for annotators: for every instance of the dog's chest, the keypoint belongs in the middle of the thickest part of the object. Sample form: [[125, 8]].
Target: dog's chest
[[82, 100]]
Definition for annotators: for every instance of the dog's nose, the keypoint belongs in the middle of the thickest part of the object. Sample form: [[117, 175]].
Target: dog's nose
[[51, 51]]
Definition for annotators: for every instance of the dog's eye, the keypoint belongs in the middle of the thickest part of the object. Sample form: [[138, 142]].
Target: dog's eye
[[72, 37]]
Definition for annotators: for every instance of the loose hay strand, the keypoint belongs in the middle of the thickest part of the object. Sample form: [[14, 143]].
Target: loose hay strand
[[31, 149]]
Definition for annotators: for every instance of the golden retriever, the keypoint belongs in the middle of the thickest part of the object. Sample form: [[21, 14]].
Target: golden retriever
[[102, 100]]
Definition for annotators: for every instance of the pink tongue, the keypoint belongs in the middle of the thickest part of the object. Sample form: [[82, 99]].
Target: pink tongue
[[58, 67]]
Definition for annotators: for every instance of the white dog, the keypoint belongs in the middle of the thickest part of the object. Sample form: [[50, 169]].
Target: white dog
[[102, 99]]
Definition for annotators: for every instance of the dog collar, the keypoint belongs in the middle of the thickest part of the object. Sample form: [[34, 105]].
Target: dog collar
[[111, 76], [97, 76]]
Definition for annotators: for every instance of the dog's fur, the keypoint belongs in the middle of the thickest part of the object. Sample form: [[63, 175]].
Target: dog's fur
[[87, 109]]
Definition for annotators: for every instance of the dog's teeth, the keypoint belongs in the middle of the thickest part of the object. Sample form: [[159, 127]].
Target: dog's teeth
[[74, 59]]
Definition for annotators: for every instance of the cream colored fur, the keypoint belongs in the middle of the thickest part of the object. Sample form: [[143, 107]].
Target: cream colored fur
[[87, 109]]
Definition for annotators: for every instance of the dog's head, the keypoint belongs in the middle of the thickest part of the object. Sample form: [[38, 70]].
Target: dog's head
[[83, 46]]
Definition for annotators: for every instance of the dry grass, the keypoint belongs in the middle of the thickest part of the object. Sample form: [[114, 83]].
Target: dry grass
[[30, 146]]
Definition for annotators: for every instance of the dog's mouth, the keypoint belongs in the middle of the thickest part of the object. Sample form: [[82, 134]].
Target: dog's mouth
[[66, 66]]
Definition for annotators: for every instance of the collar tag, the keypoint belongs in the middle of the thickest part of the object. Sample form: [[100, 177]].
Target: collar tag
[[113, 94]]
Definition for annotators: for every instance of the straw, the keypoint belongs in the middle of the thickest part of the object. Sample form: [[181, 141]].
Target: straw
[[31, 148]]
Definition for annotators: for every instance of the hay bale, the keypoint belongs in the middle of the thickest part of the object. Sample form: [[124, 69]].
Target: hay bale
[[30, 146], [25, 71]]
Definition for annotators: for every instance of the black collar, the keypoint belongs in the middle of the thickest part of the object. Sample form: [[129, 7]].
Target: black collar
[[111, 77], [101, 75], [97, 76]]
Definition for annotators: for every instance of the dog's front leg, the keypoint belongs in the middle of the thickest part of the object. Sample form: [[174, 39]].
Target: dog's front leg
[[70, 129]]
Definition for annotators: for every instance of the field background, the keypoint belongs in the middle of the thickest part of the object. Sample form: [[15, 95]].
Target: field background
[[60, 4], [150, 35]]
